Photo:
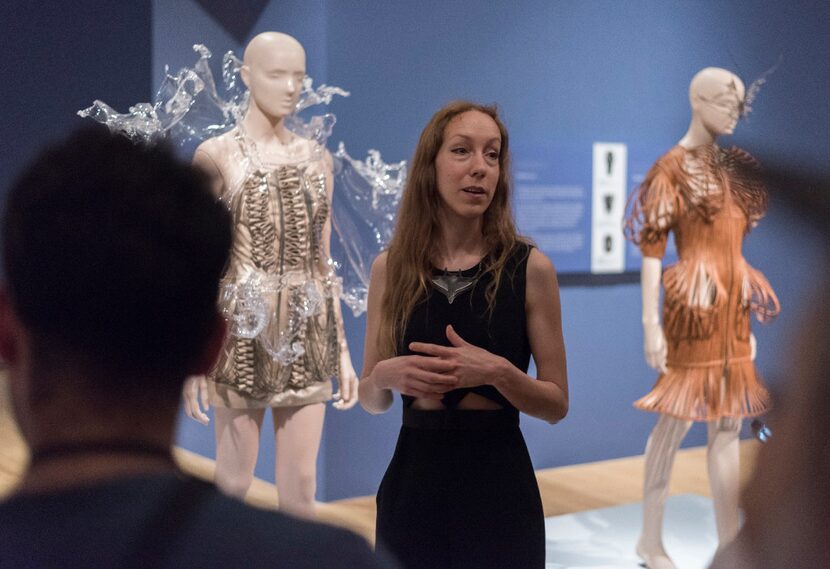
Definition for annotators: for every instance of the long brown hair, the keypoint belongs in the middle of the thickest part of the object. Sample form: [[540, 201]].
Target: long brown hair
[[408, 261]]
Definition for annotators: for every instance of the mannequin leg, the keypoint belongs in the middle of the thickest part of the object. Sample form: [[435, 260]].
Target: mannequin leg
[[724, 469], [237, 446], [660, 452], [298, 431]]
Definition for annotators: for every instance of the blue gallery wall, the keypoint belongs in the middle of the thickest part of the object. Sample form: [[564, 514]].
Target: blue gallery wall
[[56, 58], [565, 74]]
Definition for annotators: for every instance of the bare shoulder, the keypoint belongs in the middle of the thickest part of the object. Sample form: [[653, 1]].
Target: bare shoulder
[[379, 266], [210, 146], [540, 269], [214, 156], [377, 287], [209, 156], [542, 288], [213, 149]]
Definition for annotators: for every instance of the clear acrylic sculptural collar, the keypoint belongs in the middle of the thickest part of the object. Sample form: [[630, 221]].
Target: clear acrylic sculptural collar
[[189, 108]]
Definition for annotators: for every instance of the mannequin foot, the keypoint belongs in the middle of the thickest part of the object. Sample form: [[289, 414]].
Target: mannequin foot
[[654, 558]]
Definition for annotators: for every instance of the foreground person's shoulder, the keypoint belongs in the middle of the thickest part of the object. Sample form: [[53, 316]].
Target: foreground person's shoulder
[[263, 538]]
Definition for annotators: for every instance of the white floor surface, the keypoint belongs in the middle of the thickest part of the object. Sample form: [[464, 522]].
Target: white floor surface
[[605, 538]]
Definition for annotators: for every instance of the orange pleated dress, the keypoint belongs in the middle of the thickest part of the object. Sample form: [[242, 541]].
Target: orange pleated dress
[[709, 198]]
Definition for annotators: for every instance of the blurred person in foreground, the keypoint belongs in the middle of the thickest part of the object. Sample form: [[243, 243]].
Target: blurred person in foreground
[[112, 255], [787, 501]]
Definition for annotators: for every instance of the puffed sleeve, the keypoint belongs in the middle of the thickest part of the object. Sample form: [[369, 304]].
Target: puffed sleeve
[[653, 209]]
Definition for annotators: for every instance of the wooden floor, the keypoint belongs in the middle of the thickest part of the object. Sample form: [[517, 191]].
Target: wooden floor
[[564, 490]]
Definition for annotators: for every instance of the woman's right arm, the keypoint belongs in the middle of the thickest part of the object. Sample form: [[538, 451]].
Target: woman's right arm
[[419, 376], [373, 397]]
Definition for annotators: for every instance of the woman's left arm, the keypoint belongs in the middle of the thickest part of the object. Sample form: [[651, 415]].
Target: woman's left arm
[[545, 397]]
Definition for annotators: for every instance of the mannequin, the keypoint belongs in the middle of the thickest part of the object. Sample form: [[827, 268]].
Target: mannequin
[[278, 187], [710, 198]]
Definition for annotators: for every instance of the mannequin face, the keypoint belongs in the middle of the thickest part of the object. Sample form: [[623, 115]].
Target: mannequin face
[[274, 70], [718, 100], [721, 114], [467, 164]]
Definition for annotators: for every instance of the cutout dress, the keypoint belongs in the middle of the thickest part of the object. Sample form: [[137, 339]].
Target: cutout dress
[[710, 198]]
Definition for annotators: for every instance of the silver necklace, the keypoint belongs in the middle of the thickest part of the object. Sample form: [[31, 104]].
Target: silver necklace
[[453, 283]]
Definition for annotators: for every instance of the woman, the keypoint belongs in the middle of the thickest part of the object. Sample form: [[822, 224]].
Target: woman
[[457, 305]]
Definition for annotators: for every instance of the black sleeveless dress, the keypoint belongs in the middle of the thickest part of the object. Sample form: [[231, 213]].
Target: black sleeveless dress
[[460, 490]]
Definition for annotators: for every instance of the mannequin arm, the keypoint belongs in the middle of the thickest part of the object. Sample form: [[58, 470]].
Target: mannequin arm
[[195, 391], [347, 394], [195, 397], [654, 339]]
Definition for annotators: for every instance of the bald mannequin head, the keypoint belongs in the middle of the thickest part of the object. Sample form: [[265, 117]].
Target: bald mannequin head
[[273, 70], [717, 99], [712, 82], [271, 43]]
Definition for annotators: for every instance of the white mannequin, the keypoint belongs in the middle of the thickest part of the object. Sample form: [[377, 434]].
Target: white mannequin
[[273, 70], [715, 111]]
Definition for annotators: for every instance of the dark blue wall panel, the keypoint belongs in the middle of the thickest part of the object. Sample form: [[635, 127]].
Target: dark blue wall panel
[[59, 56], [566, 74]]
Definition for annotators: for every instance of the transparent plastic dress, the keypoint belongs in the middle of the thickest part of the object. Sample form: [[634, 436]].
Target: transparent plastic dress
[[279, 289]]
